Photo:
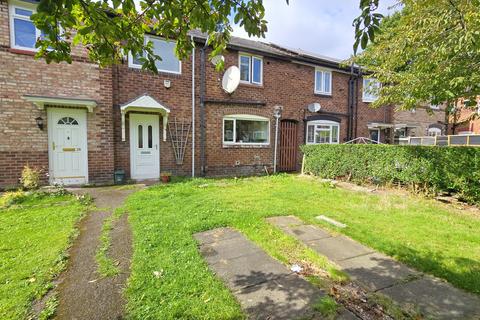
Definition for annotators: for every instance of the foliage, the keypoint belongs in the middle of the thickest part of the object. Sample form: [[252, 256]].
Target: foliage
[[425, 234], [429, 52], [33, 243], [111, 29], [431, 169], [367, 24], [30, 179], [10, 198], [327, 306]]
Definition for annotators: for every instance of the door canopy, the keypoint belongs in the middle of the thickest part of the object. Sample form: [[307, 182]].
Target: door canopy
[[145, 103]]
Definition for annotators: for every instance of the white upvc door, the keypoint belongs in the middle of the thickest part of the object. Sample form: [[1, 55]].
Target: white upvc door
[[67, 139], [144, 146]]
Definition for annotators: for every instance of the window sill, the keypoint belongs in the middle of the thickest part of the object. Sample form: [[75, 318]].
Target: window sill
[[322, 95], [251, 85], [23, 51], [246, 146], [160, 73]]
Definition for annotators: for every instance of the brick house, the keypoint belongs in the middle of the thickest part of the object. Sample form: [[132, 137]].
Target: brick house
[[420, 122], [79, 122]]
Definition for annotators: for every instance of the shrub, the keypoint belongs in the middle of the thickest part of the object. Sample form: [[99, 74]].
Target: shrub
[[30, 179], [11, 197], [429, 169]]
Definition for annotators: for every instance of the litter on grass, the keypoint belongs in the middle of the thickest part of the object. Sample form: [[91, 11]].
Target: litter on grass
[[296, 268], [331, 221]]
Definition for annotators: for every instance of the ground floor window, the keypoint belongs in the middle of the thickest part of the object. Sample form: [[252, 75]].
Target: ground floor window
[[433, 132], [323, 131], [246, 129]]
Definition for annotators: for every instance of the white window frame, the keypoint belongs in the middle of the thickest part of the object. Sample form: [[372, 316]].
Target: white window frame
[[23, 6], [234, 118], [316, 123], [322, 87], [250, 68], [368, 97], [437, 131], [146, 38]]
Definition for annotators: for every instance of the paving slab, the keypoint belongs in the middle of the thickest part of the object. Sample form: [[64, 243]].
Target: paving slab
[[265, 288], [249, 270], [283, 298], [285, 221], [216, 235], [306, 232], [436, 298], [376, 271], [339, 248], [227, 249]]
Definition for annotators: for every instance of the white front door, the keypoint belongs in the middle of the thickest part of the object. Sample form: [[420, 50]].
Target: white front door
[[67, 137], [144, 146]]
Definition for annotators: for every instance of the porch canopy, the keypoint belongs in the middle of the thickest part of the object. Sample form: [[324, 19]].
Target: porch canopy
[[379, 125], [42, 101], [145, 103]]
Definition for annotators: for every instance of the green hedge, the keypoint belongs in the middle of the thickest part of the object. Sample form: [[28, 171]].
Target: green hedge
[[431, 169]]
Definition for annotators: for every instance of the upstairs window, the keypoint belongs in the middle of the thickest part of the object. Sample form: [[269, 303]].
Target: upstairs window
[[246, 130], [251, 69], [323, 132], [323, 81], [23, 33], [166, 50], [370, 89]]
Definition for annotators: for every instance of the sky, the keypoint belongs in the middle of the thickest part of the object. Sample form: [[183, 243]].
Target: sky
[[320, 26]]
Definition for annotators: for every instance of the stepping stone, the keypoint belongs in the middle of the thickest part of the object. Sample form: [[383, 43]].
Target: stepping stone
[[265, 288], [376, 271], [436, 298], [285, 221], [306, 232], [339, 248]]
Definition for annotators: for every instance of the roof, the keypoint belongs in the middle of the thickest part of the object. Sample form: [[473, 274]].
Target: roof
[[276, 50]]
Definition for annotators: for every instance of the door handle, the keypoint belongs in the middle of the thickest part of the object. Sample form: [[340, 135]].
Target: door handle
[[156, 147], [53, 145]]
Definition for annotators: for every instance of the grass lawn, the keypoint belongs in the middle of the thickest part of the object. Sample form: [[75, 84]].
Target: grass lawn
[[171, 280], [33, 239]]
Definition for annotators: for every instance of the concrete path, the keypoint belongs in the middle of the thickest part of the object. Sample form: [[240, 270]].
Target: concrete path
[[265, 288], [83, 293], [380, 273]]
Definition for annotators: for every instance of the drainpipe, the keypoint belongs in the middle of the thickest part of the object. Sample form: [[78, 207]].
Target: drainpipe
[[277, 113], [193, 109], [202, 108], [355, 92], [350, 104]]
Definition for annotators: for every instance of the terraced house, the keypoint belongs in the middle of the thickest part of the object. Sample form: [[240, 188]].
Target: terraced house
[[80, 123]]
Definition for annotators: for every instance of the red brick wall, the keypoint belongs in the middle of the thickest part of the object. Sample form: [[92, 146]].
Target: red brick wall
[[22, 141]]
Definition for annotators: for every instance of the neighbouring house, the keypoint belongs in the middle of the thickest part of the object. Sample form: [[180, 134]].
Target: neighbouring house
[[419, 122], [466, 120], [80, 123]]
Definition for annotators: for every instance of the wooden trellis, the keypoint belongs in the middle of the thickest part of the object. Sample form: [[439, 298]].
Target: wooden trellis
[[179, 131]]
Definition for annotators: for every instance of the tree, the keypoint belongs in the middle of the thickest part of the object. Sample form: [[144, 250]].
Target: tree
[[111, 29], [429, 52]]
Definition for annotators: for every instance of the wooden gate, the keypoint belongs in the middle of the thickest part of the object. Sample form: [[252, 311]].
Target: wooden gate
[[288, 146]]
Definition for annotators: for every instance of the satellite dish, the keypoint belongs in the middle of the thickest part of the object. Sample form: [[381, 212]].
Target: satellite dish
[[231, 79], [215, 60], [314, 107]]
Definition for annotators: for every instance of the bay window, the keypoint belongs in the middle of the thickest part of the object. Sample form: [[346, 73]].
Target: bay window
[[246, 130], [323, 132]]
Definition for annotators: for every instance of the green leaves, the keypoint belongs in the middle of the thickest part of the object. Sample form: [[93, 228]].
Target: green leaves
[[111, 29], [366, 24], [427, 52]]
